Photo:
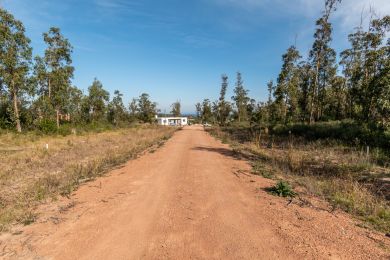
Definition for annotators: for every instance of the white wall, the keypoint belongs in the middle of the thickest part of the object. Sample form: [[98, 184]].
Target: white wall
[[168, 120]]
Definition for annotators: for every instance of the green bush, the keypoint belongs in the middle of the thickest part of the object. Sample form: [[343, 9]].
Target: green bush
[[64, 130], [47, 126], [347, 131], [282, 189]]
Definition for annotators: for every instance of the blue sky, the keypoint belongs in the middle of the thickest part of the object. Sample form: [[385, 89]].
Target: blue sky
[[177, 49]]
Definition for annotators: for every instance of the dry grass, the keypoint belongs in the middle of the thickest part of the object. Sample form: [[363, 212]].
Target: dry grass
[[30, 173], [348, 178]]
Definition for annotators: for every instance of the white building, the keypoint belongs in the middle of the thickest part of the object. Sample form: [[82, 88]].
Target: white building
[[172, 121]]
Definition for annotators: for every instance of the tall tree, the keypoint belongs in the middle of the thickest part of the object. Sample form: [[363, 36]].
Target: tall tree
[[223, 107], [322, 58], [305, 97], [15, 61], [98, 98], [198, 108], [75, 104], [241, 98], [147, 108], [377, 72], [335, 107], [286, 92], [59, 70], [206, 114], [133, 108], [117, 110], [364, 66], [267, 110], [176, 107], [42, 104], [352, 63]]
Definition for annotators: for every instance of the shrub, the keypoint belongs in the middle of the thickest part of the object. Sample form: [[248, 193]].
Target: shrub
[[47, 126], [282, 189], [347, 131], [64, 130]]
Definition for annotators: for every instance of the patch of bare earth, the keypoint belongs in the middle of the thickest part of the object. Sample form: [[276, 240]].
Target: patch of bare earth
[[192, 198]]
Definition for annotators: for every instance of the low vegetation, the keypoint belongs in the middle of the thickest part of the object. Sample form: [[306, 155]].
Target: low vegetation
[[282, 189], [349, 177], [36, 168]]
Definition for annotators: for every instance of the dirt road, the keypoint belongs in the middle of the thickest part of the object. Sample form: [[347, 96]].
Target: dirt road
[[190, 199]]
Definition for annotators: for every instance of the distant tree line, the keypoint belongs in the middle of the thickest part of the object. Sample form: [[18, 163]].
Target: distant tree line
[[318, 88], [38, 92]]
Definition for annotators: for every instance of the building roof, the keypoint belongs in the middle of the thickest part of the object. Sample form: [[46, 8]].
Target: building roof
[[169, 117]]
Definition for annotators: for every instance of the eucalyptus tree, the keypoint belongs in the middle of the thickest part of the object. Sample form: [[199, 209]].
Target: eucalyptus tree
[[322, 58], [206, 111], [240, 98], [176, 109], [305, 97], [336, 105], [198, 108], [75, 104], [133, 108], [42, 106], [117, 111], [147, 109], [365, 66], [98, 99], [268, 108], [377, 72], [15, 62], [286, 91], [58, 69], [352, 63], [223, 107]]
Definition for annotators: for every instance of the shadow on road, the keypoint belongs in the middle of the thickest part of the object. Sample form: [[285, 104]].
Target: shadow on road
[[225, 152]]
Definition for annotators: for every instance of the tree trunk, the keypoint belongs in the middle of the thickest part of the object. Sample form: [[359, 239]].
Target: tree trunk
[[315, 91], [16, 109], [58, 118], [49, 87]]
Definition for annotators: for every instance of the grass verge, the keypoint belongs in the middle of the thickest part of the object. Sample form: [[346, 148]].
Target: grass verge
[[343, 175], [34, 169]]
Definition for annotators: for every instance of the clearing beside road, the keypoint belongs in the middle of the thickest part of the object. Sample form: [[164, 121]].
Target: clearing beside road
[[36, 168], [192, 198]]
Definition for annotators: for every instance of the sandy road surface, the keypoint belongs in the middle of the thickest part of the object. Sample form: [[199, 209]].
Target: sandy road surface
[[190, 199]]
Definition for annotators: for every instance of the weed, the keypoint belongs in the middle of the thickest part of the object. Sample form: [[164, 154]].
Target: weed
[[282, 189], [259, 168]]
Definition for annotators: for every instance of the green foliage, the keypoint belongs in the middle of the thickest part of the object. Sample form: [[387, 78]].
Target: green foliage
[[286, 91], [58, 71], [65, 130], [42, 97], [222, 108], [282, 189], [347, 131], [241, 99], [97, 100], [116, 109], [15, 61], [147, 109], [47, 126], [205, 111], [176, 107]]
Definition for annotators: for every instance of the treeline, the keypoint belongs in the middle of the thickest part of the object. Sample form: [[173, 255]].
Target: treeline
[[37, 93], [318, 87]]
